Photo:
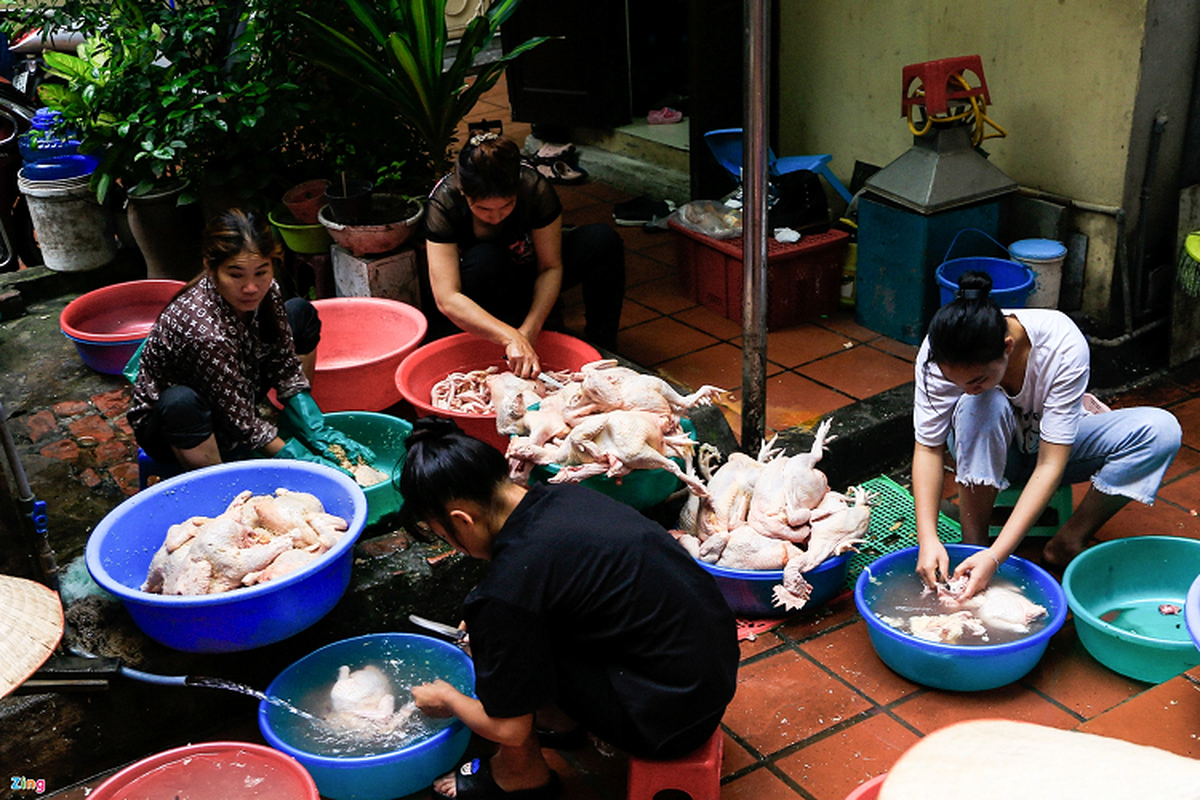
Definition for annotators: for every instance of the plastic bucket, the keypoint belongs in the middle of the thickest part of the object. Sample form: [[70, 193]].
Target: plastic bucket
[[1011, 280], [1045, 257], [73, 229]]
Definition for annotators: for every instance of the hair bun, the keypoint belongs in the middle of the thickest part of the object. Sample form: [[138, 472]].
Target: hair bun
[[427, 428], [974, 285]]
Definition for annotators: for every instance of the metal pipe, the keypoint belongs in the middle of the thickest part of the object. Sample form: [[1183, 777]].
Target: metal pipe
[[33, 510], [1063, 200], [1138, 267], [1125, 337], [757, 37]]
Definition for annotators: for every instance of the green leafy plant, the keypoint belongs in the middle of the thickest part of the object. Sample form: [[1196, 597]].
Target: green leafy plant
[[166, 89], [395, 51]]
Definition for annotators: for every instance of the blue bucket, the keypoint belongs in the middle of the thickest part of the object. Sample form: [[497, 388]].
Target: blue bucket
[[1012, 281]]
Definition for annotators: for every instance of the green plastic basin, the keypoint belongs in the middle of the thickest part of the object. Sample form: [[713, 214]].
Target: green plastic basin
[[1115, 590], [387, 436]]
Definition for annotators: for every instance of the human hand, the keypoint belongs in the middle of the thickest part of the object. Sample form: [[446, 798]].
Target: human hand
[[328, 441], [933, 564], [435, 699], [295, 449], [521, 357], [979, 569]]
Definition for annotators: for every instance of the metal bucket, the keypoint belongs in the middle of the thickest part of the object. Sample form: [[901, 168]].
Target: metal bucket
[[73, 229]]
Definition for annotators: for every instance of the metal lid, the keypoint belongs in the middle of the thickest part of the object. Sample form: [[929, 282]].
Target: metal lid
[[1039, 249]]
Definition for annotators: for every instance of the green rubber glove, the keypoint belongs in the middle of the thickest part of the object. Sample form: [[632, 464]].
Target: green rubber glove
[[302, 416], [295, 449]]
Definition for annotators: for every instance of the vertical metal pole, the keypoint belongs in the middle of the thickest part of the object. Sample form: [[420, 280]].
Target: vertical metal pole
[[754, 221]]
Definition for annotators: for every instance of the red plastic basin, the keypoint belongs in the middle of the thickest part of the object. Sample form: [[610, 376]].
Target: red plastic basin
[[212, 771], [109, 323], [462, 353], [363, 341]]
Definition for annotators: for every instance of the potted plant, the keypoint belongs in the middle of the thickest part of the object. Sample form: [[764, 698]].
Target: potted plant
[[395, 52]]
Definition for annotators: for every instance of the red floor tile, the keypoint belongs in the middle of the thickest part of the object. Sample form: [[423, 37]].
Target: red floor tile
[[1188, 414], [659, 340], [1160, 394], [635, 314], [761, 784], [833, 767], [1164, 717], [588, 215], [843, 322], [898, 349], [802, 344], [936, 709], [737, 758], [640, 268], [719, 365], [663, 250], [1069, 675], [812, 622], [793, 400], [1184, 492], [710, 322], [785, 698], [662, 295], [861, 372], [1186, 460], [848, 653]]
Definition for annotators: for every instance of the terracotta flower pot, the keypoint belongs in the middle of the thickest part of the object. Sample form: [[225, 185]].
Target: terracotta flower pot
[[349, 201], [304, 200], [390, 224]]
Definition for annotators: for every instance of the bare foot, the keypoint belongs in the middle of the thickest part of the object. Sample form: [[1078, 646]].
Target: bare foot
[[1059, 552], [446, 786]]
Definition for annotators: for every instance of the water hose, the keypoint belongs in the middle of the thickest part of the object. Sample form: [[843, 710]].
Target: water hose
[[978, 110]]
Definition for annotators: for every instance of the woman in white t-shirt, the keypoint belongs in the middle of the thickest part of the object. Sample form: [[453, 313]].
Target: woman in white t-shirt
[[1004, 391]]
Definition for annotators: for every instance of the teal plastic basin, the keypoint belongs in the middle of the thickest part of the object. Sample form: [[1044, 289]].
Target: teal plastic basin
[[388, 437], [1115, 589]]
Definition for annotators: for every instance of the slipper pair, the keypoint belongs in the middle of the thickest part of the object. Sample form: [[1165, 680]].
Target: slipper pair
[[473, 781], [664, 116], [560, 172]]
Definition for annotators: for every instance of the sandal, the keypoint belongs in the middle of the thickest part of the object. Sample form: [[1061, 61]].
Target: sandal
[[562, 740], [560, 172], [554, 152], [473, 781], [664, 116]]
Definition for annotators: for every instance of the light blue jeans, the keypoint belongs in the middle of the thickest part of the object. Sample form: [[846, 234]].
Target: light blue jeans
[[1124, 451]]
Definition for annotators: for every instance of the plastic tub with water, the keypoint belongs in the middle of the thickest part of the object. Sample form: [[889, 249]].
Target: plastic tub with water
[[407, 659]]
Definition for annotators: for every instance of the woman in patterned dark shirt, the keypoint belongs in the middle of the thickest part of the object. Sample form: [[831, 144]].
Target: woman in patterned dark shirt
[[218, 347]]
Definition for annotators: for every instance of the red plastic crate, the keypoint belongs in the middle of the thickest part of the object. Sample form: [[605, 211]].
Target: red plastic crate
[[804, 280]]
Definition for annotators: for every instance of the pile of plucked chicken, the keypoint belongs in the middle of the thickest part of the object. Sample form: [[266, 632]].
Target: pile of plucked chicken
[[258, 538], [604, 419], [775, 512]]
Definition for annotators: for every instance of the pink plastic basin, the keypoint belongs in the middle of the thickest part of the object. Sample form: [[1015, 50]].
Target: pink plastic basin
[[462, 353], [109, 323], [363, 341], [212, 771]]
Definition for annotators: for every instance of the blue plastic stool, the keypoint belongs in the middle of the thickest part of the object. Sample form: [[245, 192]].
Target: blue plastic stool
[[149, 468], [1057, 511], [726, 147]]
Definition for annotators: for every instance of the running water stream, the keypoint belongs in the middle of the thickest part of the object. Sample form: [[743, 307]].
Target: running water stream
[[279, 702]]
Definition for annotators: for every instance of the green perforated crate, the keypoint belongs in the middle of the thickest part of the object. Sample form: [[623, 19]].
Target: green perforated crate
[[893, 525]]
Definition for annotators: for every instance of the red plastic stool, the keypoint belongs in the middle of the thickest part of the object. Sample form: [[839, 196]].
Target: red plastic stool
[[698, 774], [935, 80]]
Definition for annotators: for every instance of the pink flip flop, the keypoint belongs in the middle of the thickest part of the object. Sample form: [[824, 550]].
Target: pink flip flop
[[664, 116]]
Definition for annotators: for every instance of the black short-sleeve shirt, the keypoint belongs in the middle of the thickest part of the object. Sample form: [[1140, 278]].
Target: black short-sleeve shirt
[[448, 219], [573, 571]]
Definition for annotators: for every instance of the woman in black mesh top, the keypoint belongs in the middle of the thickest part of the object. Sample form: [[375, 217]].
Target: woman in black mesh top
[[498, 256]]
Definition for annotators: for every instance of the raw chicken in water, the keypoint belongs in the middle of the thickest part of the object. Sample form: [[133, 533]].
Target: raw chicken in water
[[1000, 613]]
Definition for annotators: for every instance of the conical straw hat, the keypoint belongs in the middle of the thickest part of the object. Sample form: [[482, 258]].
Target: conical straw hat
[[31, 624]]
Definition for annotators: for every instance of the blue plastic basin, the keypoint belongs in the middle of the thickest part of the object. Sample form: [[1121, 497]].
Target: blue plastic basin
[[1011, 281], [120, 549], [387, 775], [750, 592], [962, 668]]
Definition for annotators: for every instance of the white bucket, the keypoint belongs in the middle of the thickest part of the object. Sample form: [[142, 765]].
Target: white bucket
[[73, 229], [1045, 257]]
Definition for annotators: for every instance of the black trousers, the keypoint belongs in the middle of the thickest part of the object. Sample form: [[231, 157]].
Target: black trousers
[[593, 255], [182, 417]]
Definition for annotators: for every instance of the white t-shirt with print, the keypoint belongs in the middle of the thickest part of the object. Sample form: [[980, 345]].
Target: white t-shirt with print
[[1049, 405]]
